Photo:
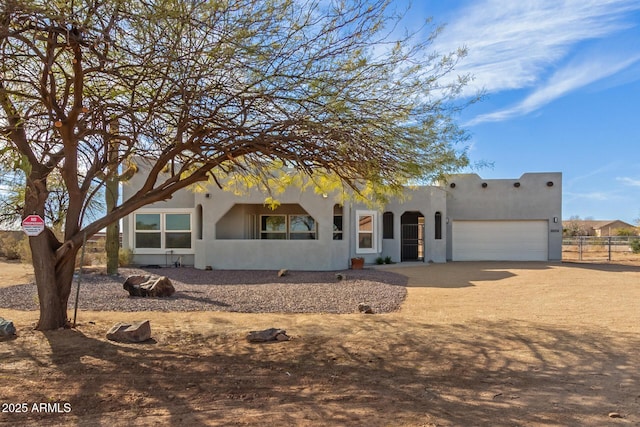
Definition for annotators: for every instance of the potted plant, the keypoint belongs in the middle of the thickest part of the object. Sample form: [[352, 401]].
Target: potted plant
[[357, 263]]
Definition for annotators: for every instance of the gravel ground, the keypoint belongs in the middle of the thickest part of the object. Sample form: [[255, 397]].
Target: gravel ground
[[236, 291]]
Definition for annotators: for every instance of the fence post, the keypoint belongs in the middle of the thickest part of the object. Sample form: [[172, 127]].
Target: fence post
[[580, 248], [609, 238]]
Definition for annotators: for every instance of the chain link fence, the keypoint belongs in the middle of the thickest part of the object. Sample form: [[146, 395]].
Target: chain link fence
[[599, 249]]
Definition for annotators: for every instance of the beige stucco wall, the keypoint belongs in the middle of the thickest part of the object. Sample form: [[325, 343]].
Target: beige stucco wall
[[427, 200], [501, 199], [229, 240], [226, 245]]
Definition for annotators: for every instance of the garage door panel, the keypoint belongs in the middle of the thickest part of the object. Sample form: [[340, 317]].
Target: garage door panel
[[500, 241]]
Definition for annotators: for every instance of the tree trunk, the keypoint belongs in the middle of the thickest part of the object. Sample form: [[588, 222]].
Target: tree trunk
[[112, 243], [53, 280]]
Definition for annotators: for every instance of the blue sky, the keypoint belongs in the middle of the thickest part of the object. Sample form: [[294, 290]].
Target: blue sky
[[562, 93]]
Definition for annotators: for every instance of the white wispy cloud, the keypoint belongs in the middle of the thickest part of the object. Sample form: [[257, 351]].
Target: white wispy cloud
[[630, 181], [516, 44], [603, 170], [562, 82]]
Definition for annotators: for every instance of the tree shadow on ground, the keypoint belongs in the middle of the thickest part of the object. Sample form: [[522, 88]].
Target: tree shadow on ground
[[369, 372]]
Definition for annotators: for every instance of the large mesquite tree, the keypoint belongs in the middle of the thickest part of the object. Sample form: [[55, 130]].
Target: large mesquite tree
[[208, 90]]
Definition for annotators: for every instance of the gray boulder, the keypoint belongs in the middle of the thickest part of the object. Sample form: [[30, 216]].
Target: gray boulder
[[130, 332], [145, 286], [135, 280], [7, 330]]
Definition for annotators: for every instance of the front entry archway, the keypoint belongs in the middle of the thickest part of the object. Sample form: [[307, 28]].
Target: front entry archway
[[412, 236]]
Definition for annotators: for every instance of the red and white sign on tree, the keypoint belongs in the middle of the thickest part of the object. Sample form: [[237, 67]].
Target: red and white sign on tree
[[33, 225]]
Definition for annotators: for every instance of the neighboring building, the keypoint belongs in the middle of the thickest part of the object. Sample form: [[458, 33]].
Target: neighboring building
[[467, 219], [603, 228]]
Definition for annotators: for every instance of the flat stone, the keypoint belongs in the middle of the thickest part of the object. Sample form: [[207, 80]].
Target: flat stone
[[130, 332], [283, 272], [271, 334], [282, 337], [615, 415]]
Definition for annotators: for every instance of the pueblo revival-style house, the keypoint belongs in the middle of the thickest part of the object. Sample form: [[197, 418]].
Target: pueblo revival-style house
[[466, 219]]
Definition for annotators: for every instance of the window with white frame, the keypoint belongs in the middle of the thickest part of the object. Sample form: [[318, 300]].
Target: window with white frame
[[162, 231], [292, 227], [177, 231], [366, 229]]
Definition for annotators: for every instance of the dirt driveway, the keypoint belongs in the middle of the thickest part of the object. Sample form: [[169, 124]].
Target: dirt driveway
[[475, 344]]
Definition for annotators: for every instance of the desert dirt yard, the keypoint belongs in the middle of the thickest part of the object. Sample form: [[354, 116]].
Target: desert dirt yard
[[474, 344]]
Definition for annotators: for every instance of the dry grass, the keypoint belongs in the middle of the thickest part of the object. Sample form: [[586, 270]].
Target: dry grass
[[483, 344]]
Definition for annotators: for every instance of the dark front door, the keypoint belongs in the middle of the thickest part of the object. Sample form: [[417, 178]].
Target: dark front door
[[412, 237]]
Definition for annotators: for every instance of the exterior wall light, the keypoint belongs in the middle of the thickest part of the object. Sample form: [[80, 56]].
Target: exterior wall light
[[549, 183], [484, 185], [452, 185], [516, 184]]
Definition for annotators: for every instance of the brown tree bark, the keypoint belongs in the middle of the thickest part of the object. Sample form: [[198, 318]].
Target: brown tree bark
[[53, 268], [112, 243], [54, 279]]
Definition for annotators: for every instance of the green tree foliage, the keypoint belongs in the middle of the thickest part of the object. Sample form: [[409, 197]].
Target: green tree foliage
[[626, 232], [207, 91]]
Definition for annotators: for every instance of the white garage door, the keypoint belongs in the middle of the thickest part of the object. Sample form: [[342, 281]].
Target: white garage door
[[500, 241]]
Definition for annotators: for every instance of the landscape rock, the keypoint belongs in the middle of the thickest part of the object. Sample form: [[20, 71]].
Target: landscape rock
[[7, 330], [341, 276], [283, 272], [151, 287], [135, 280], [271, 334], [365, 308], [615, 415], [130, 332]]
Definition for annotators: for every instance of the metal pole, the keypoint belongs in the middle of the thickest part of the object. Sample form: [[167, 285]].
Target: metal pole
[[75, 310], [580, 247], [609, 248]]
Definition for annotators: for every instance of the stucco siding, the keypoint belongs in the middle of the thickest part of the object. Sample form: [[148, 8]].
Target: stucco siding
[[533, 196], [427, 200], [231, 241], [229, 233]]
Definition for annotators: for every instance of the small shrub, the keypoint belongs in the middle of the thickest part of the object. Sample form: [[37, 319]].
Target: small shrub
[[15, 248], [379, 260], [87, 260], [387, 260], [9, 248], [635, 246], [125, 257]]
